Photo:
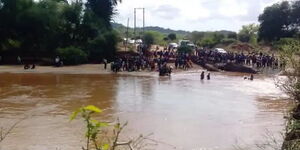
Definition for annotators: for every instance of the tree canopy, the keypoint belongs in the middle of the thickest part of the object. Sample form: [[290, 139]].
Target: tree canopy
[[172, 36], [41, 28], [248, 33], [280, 20]]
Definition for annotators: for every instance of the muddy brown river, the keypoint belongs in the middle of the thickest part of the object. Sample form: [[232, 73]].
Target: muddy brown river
[[182, 112]]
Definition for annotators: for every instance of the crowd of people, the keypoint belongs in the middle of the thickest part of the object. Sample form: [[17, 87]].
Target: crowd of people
[[156, 60], [258, 60]]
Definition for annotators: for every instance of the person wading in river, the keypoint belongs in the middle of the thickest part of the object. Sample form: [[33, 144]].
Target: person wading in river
[[208, 76], [202, 75], [105, 63], [251, 77]]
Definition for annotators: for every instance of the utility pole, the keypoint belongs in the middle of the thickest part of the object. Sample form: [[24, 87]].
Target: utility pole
[[143, 20], [134, 30], [126, 44]]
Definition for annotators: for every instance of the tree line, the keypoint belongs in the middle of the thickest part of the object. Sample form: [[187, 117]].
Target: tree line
[[79, 31], [279, 23]]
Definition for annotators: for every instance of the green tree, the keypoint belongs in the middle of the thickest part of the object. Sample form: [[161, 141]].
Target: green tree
[[148, 39], [172, 36], [208, 42], [248, 33], [196, 37], [276, 22], [232, 35], [72, 55], [37, 28]]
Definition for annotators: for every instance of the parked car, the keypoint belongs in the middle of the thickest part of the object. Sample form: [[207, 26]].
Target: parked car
[[220, 50]]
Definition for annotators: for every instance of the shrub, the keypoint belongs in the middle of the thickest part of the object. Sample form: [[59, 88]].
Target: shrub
[[72, 55], [208, 42], [279, 45], [228, 41]]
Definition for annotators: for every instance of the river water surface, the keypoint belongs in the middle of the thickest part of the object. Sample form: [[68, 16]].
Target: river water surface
[[182, 112]]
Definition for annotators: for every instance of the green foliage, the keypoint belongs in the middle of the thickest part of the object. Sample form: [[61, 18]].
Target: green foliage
[[103, 46], [93, 127], [288, 45], [279, 20], [95, 131], [232, 35], [149, 38], [228, 41], [210, 39], [209, 42], [248, 33], [172, 36], [72, 55], [185, 50], [39, 28]]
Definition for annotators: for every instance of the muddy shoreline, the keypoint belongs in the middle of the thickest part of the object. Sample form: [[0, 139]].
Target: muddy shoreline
[[98, 69]]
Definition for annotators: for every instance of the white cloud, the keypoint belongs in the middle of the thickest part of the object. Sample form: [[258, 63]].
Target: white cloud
[[233, 8], [194, 14]]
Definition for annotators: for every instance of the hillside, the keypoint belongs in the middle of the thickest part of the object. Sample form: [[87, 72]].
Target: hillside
[[121, 28]]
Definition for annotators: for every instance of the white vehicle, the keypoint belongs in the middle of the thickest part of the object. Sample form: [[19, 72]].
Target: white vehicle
[[183, 43], [186, 43], [173, 45], [220, 50]]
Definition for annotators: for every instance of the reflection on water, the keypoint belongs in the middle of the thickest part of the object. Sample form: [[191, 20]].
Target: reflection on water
[[181, 111]]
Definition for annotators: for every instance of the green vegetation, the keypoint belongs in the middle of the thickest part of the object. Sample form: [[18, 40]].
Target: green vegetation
[[280, 20], [38, 28], [99, 135], [290, 49], [211, 39], [248, 34], [172, 36], [72, 55]]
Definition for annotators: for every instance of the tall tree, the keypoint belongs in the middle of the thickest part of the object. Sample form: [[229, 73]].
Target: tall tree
[[275, 22], [40, 28]]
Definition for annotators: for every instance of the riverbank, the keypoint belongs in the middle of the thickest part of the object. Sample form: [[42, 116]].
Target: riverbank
[[292, 137], [82, 69]]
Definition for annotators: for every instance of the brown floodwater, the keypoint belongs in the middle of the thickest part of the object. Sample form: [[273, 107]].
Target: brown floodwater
[[182, 112]]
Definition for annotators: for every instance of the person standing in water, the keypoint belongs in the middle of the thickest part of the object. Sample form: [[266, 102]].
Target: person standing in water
[[208, 76], [105, 63], [19, 60], [251, 77], [202, 75]]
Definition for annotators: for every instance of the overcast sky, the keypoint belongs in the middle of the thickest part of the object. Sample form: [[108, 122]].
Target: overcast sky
[[191, 15]]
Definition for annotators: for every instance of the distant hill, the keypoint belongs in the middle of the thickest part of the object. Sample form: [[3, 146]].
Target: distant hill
[[166, 31], [121, 28]]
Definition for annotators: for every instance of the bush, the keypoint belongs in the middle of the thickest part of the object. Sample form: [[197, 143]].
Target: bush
[[228, 41], [286, 41], [208, 42], [72, 55]]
